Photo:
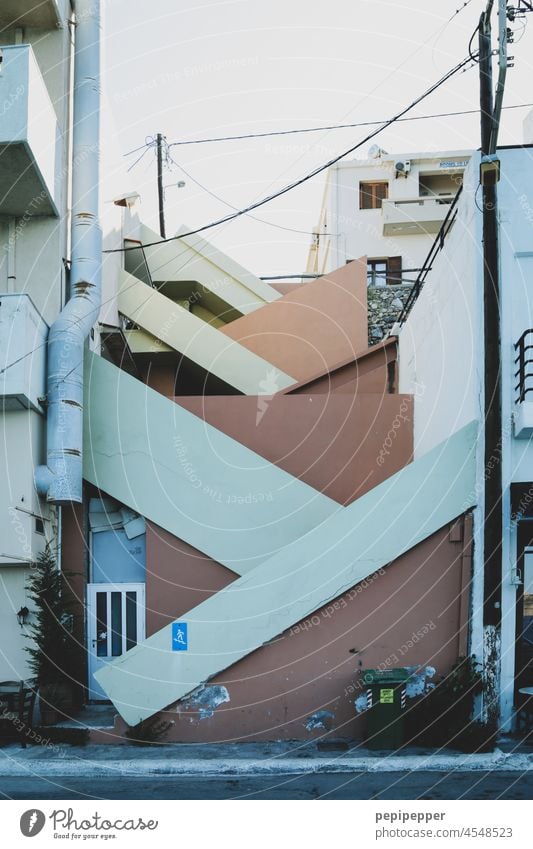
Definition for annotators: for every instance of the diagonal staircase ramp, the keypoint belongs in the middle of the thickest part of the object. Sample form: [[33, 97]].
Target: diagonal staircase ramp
[[197, 340], [225, 285], [188, 477], [350, 545]]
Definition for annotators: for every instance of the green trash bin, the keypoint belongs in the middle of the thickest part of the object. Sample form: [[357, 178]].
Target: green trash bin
[[385, 707]]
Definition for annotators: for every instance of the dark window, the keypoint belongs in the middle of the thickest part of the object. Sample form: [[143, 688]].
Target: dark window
[[394, 270], [385, 271], [371, 194]]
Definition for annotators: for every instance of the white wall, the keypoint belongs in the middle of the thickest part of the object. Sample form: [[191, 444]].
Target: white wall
[[356, 232], [21, 449], [441, 359], [440, 355], [528, 128], [13, 596], [516, 252], [41, 243]]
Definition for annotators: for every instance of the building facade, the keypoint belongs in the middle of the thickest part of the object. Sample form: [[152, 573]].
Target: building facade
[[388, 208], [255, 503]]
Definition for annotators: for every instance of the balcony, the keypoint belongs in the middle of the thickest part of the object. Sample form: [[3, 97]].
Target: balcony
[[29, 13], [415, 216], [23, 335], [28, 137], [523, 387]]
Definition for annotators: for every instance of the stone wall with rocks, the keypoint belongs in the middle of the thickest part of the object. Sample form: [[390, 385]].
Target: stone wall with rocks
[[385, 304]]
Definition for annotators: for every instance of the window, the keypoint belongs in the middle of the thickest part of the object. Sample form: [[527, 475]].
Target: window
[[377, 272], [372, 194], [385, 271]]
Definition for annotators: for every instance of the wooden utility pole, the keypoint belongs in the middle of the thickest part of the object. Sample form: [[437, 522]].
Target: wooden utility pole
[[492, 365], [160, 195]]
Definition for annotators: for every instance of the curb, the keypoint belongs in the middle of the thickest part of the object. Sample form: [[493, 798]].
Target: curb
[[279, 766]]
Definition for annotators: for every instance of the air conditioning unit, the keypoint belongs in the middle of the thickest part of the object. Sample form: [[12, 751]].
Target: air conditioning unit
[[402, 166]]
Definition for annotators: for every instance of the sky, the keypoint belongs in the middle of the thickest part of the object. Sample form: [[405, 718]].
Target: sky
[[228, 67]]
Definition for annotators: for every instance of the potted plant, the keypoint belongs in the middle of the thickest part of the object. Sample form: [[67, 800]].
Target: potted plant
[[53, 653]]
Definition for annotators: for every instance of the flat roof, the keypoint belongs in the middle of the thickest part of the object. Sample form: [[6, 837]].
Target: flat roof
[[417, 155]]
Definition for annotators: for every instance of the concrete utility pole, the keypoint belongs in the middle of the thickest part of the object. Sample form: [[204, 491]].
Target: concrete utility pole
[[160, 190]]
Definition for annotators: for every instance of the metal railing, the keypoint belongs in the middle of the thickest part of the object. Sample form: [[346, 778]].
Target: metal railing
[[522, 361], [435, 249]]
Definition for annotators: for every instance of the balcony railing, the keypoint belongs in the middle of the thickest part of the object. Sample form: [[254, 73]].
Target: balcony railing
[[523, 387], [28, 137], [39, 14], [408, 216], [523, 360]]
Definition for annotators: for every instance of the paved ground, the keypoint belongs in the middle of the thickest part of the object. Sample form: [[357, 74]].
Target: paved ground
[[391, 785]]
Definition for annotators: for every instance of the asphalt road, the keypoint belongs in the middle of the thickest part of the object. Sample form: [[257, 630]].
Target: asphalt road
[[394, 785]]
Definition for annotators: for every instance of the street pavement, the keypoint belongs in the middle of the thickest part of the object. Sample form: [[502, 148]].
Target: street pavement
[[403, 785], [273, 770]]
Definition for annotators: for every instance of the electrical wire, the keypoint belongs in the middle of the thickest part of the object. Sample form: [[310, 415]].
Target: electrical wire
[[473, 56], [272, 133], [461, 9], [318, 170], [253, 217]]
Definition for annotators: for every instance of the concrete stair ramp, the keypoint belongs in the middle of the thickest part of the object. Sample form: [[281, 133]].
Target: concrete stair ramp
[[330, 558], [189, 478], [198, 341]]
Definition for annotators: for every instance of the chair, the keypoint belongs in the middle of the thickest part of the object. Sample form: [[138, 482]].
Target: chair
[[16, 720]]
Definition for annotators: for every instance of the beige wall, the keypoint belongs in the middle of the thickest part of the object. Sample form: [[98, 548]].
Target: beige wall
[[316, 326], [278, 691]]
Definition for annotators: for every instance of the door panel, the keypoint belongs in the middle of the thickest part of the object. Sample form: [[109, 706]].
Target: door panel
[[116, 623]]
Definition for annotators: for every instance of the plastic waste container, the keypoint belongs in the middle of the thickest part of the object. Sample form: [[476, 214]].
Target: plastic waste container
[[386, 697]]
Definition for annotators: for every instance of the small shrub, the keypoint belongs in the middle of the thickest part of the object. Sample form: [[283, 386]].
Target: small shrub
[[147, 732]]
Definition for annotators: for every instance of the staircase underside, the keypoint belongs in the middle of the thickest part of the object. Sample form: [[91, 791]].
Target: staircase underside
[[197, 340], [308, 552], [180, 472]]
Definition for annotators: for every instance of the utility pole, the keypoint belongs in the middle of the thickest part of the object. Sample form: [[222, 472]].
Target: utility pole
[[160, 140], [493, 495]]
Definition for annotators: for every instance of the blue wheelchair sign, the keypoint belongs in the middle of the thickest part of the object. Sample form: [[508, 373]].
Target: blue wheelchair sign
[[180, 640]]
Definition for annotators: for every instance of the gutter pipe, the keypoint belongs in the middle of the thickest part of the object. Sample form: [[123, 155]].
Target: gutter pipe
[[60, 481]]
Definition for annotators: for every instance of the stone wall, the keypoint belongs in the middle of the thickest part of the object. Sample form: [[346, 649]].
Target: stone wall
[[385, 304]]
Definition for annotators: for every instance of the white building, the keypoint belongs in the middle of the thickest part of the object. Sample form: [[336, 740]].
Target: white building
[[34, 170], [388, 207], [442, 361], [36, 108]]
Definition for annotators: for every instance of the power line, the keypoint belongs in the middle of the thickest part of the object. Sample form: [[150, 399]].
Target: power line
[[458, 11], [318, 170], [272, 133], [253, 217]]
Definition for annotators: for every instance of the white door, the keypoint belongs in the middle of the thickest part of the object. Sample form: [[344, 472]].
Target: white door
[[115, 619]]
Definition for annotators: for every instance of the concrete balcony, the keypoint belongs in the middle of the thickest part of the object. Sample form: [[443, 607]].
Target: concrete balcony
[[44, 14], [23, 335], [523, 420], [414, 216], [28, 137]]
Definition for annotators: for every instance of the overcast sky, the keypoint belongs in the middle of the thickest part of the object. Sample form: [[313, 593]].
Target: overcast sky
[[233, 66]]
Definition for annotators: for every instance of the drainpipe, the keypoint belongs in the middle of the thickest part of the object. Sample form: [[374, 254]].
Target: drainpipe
[[11, 256], [60, 480]]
